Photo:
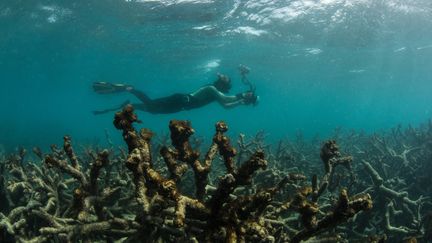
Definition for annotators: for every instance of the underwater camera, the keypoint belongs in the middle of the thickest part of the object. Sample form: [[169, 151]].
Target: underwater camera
[[243, 69]]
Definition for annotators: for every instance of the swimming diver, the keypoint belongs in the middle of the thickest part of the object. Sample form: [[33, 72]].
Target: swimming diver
[[217, 91]]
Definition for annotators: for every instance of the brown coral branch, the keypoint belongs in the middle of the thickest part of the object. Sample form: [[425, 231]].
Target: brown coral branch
[[243, 176], [85, 197], [124, 120], [67, 146], [176, 170], [345, 208], [140, 163], [180, 135], [168, 189], [227, 151], [331, 158], [101, 161], [63, 165]]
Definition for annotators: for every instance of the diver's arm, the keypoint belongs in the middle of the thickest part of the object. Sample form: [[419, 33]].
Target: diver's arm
[[233, 104], [229, 101]]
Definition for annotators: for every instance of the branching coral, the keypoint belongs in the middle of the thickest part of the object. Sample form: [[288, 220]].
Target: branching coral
[[48, 210], [401, 198], [221, 217], [86, 195], [345, 208], [247, 193]]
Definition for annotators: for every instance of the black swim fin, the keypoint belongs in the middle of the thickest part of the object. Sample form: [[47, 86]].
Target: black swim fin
[[109, 88]]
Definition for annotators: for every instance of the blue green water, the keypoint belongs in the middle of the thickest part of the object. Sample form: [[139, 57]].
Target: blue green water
[[317, 65]]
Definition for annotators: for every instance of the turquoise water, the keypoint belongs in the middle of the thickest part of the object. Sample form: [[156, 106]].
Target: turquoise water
[[317, 65]]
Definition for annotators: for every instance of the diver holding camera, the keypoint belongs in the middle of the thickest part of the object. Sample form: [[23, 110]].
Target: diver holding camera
[[214, 92]]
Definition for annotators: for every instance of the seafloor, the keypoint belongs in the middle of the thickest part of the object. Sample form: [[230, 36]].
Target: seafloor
[[355, 187]]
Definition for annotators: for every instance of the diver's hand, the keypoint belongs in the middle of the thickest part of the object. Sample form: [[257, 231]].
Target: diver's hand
[[248, 98]]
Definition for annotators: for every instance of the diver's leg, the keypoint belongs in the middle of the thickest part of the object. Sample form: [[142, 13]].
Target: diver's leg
[[166, 105], [141, 96], [109, 88], [142, 107]]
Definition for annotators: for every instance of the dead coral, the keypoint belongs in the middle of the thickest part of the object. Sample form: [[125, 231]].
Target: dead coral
[[221, 217], [131, 197], [345, 208], [86, 195]]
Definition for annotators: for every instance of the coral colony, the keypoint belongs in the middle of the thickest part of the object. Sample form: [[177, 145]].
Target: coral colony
[[156, 192]]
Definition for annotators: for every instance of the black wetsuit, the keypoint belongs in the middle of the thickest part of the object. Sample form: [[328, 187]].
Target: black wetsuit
[[169, 104]]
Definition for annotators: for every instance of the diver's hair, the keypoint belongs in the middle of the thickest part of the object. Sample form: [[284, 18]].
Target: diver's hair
[[223, 83]]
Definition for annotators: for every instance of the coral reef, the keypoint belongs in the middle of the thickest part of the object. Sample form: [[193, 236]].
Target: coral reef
[[166, 191]]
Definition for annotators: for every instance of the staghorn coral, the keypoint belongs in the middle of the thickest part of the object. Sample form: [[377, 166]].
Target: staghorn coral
[[265, 194], [75, 198], [222, 216], [49, 209], [400, 157]]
